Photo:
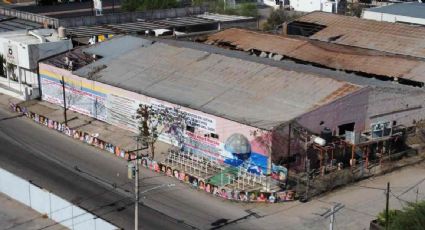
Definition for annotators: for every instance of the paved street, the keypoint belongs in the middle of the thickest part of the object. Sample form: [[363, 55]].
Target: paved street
[[49, 159]]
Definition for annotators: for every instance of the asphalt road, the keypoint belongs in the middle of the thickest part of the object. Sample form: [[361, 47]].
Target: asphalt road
[[49, 159], [86, 176]]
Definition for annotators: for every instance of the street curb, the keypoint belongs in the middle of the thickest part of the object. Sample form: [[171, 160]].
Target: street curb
[[193, 180]]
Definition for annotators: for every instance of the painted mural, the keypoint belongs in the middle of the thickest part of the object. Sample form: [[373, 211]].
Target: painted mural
[[118, 107], [195, 182]]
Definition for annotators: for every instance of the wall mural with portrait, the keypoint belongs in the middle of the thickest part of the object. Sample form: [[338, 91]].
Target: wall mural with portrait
[[208, 135]]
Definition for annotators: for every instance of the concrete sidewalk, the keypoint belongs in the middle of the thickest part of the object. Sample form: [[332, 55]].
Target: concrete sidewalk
[[14, 215], [121, 138]]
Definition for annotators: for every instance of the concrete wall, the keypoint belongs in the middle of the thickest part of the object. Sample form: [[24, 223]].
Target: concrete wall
[[352, 108], [400, 105], [130, 16], [47, 203], [404, 105]]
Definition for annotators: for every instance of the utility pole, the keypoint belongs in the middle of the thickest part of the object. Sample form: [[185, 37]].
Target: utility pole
[[331, 213], [64, 101], [308, 179], [417, 193], [136, 188], [136, 180], [387, 216]]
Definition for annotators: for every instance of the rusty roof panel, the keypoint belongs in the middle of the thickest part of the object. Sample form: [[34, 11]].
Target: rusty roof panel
[[330, 55], [389, 37]]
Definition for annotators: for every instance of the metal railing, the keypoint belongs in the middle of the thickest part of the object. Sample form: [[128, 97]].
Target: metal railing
[[52, 22]]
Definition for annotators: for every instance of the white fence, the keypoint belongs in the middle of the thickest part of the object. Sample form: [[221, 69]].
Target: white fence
[[45, 202]]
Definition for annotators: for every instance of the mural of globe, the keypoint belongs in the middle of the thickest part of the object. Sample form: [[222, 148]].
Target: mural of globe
[[239, 147]]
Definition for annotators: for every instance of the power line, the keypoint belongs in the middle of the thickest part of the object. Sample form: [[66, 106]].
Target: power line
[[411, 187]]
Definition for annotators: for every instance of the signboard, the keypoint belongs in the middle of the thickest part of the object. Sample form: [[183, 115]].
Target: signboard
[[121, 111], [11, 52]]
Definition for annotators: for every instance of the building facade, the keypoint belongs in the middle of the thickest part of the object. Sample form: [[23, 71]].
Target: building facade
[[21, 52], [223, 96]]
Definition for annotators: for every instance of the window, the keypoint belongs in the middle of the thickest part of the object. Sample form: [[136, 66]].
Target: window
[[213, 135], [345, 127], [190, 128]]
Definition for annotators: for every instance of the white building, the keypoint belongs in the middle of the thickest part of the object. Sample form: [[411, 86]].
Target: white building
[[313, 5], [21, 51], [329, 6], [412, 12]]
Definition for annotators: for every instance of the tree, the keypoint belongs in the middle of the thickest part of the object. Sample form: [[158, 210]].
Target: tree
[[155, 120], [248, 9], [277, 17], [143, 5], [411, 217]]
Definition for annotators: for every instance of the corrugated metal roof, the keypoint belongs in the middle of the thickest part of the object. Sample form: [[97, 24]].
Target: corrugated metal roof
[[409, 9], [8, 23], [388, 37], [140, 26], [167, 23], [223, 17], [329, 55], [244, 91]]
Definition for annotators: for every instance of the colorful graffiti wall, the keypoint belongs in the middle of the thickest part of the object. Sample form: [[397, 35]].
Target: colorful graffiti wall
[[117, 106], [184, 177]]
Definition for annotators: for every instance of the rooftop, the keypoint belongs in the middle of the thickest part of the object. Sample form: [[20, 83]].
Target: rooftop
[[23, 36], [333, 56], [411, 9], [144, 25], [245, 91], [395, 38], [11, 24]]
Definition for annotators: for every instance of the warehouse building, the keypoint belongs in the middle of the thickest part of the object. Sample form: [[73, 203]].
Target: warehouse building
[[226, 93], [393, 38], [363, 62]]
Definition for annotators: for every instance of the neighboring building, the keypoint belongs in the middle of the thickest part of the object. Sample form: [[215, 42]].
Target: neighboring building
[[363, 62], [394, 38], [331, 6], [411, 13], [310, 6], [10, 23], [22, 50], [180, 25], [226, 93]]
